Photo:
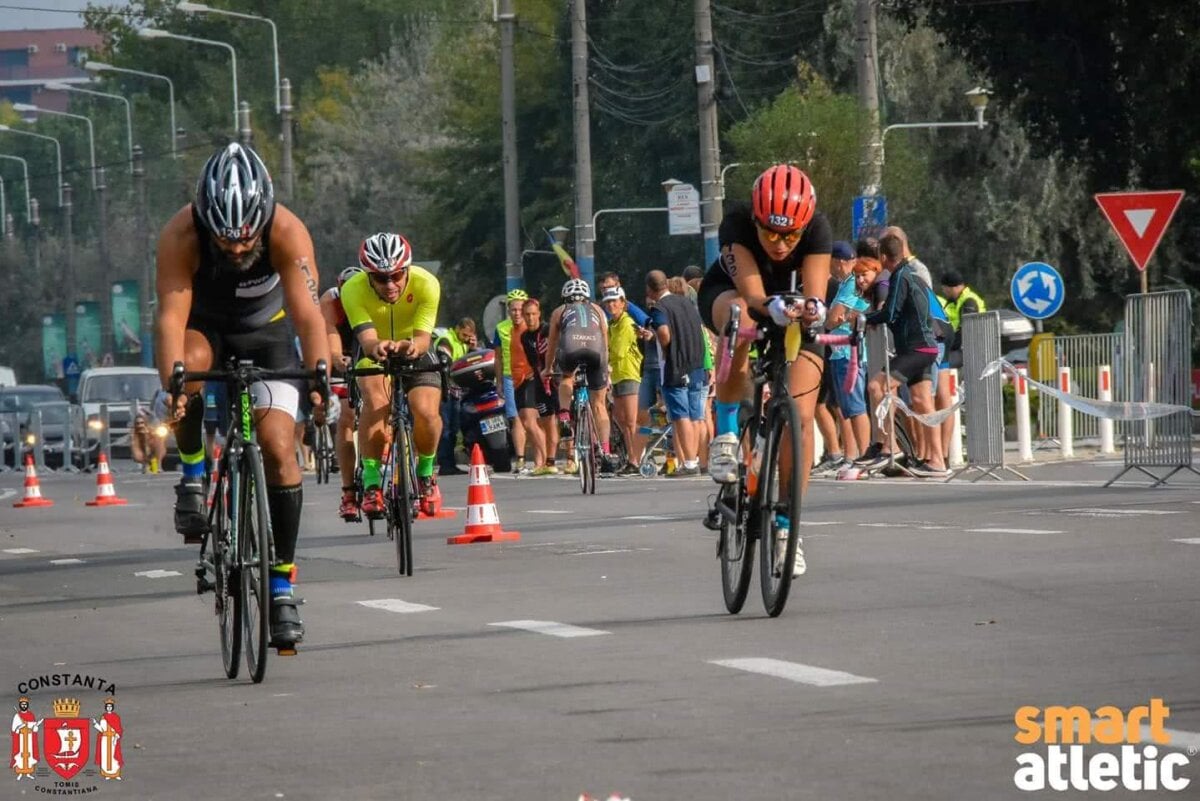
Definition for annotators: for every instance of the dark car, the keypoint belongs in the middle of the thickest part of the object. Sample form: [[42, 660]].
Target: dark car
[[15, 405]]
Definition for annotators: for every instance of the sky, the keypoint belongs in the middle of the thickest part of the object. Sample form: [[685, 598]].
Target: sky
[[19, 14]]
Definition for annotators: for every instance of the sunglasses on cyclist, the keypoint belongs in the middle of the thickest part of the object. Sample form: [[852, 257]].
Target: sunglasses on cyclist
[[384, 280], [775, 236]]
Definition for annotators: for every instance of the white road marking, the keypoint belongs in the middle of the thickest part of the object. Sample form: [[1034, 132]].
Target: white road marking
[[1189, 541], [1180, 739], [883, 525], [550, 627], [547, 512], [794, 671], [1013, 531], [66, 561], [396, 605], [651, 517], [610, 550], [19, 551], [821, 523], [157, 573], [8, 493], [1117, 512]]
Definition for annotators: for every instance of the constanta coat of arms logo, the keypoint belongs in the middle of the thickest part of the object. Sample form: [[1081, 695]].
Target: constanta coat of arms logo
[[66, 745]]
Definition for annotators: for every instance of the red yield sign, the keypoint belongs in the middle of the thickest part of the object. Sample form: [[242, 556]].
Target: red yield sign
[[1140, 218]]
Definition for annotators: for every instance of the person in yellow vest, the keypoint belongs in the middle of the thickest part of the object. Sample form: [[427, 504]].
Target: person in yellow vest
[[958, 300], [455, 343], [514, 301]]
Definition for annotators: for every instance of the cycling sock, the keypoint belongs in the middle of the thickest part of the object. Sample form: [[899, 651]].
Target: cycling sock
[[282, 577], [425, 465], [193, 463], [371, 477], [606, 448], [564, 416], [727, 417], [285, 504]]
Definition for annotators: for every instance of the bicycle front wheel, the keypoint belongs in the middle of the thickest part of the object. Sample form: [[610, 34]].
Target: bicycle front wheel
[[226, 583], [585, 456], [398, 505], [779, 496], [736, 549], [254, 544], [322, 447]]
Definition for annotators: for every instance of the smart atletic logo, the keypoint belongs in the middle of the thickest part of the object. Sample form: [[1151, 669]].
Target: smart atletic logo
[[1073, 735]]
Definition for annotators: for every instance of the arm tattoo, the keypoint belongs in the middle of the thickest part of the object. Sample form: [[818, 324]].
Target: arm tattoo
[[309, 280]]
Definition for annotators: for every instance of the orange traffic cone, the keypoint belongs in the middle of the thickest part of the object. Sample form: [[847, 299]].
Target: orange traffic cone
[[431, 507], [483, 522], [106, 493], [33, 490]]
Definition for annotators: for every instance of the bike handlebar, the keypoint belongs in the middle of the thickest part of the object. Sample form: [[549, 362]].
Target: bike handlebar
[[246, 372]]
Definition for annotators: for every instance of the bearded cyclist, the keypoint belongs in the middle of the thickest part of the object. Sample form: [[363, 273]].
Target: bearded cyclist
[[780, 235], [392, 307], [343, 346]]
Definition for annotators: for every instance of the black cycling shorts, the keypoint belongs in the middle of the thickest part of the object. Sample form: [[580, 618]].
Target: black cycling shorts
[[717, 281], [532, 394], [589, 360], [913, 367]]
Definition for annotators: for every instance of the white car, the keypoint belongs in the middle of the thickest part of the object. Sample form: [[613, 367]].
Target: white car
[[119, 387]]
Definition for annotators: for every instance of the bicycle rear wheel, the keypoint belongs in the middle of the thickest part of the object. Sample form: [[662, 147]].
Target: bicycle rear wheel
[[254, 543], [398, 505], [776, 557], [322, 447], [735, 548], [226, 582], [585, 455]]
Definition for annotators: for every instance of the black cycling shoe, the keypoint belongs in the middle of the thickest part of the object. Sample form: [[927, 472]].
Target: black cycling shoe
[[712, 520], [191, 510], [287, 628]]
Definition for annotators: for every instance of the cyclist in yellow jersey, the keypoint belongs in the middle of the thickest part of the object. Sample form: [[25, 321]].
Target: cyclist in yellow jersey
[[391, 307]]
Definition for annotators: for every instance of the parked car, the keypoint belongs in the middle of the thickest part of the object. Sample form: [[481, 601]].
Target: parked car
[[1015, 330], [15, 406], [118, 387]]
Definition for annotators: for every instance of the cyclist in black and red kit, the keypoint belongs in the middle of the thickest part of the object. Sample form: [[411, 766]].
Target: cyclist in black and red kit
[[763, 245]]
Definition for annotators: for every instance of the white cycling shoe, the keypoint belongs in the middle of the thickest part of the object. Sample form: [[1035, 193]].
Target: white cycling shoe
[[723, 459]]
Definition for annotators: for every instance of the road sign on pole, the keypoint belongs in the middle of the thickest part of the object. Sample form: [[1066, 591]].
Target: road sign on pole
[[869, 211], [1140, 219], [683, 210], [1037, 290]]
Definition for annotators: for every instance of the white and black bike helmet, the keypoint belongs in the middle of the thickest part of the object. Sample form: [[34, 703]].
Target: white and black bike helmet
[[235, 197], [576, 289], [348, 273], [385, 253]]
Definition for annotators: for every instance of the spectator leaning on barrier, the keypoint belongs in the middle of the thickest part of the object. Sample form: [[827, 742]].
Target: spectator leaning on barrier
[[625, 364], [514, 300], [677, 326], [907, 314], [455, 343]]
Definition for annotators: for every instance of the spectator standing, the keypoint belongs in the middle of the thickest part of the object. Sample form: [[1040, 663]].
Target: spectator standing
[[651, 375], [677, 328], [455, 343], [847, 305], [501, 343], [536, 404], [625, 363]]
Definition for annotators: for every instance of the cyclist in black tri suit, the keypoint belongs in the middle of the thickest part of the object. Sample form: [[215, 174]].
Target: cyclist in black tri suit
[[780, 236], [237, 276]]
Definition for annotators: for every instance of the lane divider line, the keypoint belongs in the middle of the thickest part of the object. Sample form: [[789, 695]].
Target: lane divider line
[[20, 551], [157, 574], [1013, 531], [396, 605], [550, 627], [66, 561], [794, 671]]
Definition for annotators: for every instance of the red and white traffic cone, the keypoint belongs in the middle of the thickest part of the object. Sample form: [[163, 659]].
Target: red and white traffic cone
[[106, 493], [33, 489], [483, 521]]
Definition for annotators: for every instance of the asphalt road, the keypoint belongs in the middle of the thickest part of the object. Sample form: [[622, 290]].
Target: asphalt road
[[930, 614]]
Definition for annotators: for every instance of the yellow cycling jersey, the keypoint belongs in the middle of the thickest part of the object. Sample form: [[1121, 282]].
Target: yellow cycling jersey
[[416, 309]]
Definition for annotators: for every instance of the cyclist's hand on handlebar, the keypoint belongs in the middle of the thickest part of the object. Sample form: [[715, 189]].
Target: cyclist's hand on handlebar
[[318, 407], [781, 313]]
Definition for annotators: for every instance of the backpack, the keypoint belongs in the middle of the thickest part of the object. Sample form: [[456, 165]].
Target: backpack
[[938, 318]]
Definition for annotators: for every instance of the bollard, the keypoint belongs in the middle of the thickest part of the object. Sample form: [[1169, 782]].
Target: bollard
[[39, 452], [1024, 441], [955, 456], [1066, 437], [1106, 426], [105, 437]]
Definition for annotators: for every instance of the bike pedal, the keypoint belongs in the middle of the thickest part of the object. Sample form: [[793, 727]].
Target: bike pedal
[[285, 651]]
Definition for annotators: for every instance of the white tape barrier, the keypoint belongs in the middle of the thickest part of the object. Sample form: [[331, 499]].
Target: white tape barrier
[[1105, 410], [931, 420]]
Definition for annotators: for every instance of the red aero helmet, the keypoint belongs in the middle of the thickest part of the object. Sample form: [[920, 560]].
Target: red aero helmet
[[783, 198]]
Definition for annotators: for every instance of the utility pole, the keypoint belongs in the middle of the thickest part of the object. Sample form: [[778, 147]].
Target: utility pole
[[868, 94], [69, 259], [710, 148], [245, 133], [106, 322], [285, 123], [513, 273], [146, 285], [584, 235]]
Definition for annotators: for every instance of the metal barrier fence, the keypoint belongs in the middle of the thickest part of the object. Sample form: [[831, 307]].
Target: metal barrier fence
[[1083, 353], [1156, 368], [984, 398], [10, 432]]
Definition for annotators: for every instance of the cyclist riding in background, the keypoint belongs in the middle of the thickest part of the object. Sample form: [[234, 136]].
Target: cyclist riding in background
[[237, 277], [342, 346], [781, 234], [392, 308], [579, 338]]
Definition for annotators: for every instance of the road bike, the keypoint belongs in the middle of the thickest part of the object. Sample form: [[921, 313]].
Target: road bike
[[586, 440], [401, 491], [323, 454], [239, 549], [766, 497]]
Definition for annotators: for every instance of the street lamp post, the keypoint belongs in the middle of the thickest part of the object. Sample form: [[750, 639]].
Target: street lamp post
[[96, 66], [66, 87], [25, 167], [200, 8], [155, 33], [88, 120], [57, 150]]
